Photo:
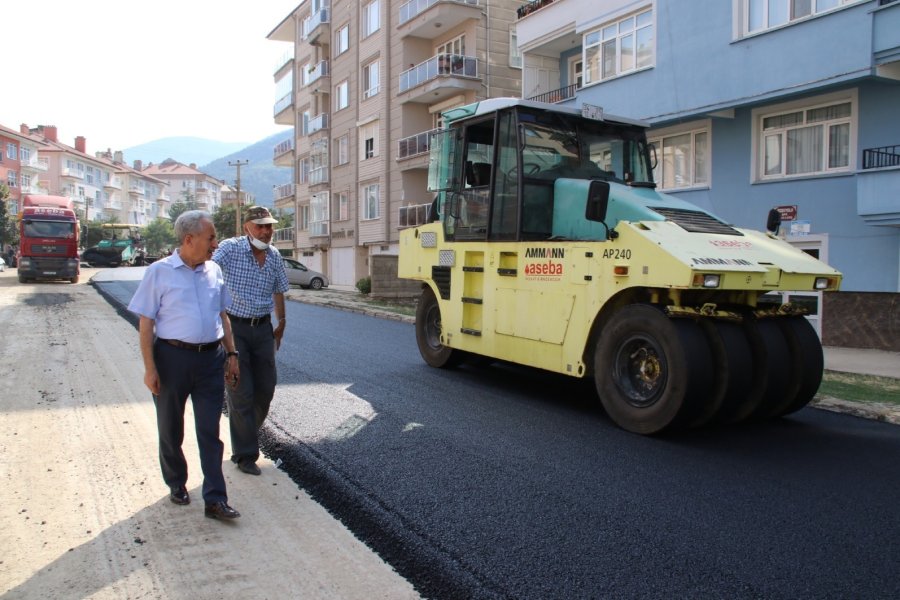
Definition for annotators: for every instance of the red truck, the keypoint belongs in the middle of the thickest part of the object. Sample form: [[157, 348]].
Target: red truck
[[48, 239]]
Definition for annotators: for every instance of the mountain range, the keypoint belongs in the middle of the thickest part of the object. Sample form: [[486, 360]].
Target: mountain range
[[258, 175]]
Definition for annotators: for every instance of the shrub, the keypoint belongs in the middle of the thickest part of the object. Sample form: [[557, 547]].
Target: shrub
[[364, 285]]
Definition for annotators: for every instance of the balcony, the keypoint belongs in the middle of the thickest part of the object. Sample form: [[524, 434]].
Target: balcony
[[72, 174], [282, 115], [439, 78], [36, 164], [877, 183], [430, 18], [413, 216], [318, 228], [136, 190], [284, 60], [318, 175], [283, 153], [315, 73], [316, 27], [282, 192], [886, 39], [417, 145], [283, 235], [113, 183], [318, 123], [532, 7]]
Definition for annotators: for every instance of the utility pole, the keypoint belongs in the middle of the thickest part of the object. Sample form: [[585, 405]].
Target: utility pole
[[237, 195]]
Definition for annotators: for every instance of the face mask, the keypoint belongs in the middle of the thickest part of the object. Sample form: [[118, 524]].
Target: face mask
[[257, 244]]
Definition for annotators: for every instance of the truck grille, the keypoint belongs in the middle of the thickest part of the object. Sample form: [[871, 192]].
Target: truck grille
[[695, 221]]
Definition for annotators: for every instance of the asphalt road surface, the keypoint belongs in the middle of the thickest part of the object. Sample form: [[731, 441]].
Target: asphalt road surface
[[506, 482]]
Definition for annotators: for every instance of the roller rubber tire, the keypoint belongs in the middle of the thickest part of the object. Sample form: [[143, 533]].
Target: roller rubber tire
[[733, 372], [782, 375], [428, 334], [806, 349], [651, 372]]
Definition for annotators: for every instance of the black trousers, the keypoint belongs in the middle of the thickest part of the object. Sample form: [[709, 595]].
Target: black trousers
[[200, 375], [248, 405]]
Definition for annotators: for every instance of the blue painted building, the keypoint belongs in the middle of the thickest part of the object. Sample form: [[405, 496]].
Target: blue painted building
[[753, 104]]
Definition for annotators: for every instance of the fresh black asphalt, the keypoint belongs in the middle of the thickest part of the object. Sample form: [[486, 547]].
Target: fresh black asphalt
[[506, 482]]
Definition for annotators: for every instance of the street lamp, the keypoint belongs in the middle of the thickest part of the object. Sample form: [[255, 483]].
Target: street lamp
[[237, 195]]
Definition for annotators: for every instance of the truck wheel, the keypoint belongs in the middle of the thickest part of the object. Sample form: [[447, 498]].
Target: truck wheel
[[74, 279], [428, 334], [22, 279], [651, 372], [806, 352], [732, 369]]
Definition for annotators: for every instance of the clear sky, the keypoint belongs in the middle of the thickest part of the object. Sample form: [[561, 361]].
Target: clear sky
[[122, 73]]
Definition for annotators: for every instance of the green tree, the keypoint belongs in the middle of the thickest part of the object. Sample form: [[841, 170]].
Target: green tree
[[159, 235], [8, 232], [224, 220]]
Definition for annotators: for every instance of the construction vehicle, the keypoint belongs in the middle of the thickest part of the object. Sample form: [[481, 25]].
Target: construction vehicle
[[549, 246], [121, 245], [48, 239]]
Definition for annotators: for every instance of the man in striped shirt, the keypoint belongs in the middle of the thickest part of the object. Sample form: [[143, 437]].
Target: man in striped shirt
[[255, 277]]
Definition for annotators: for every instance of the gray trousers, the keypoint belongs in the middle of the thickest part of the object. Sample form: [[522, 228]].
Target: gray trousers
[[200, 375], [248, 404]]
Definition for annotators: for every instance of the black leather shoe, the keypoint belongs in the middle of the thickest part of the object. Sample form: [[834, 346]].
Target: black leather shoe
[[180, 496], [249, 467], [220, 510]]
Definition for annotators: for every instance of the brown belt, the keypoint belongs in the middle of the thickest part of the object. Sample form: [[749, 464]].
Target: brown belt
[[252, 321], [193, 347]]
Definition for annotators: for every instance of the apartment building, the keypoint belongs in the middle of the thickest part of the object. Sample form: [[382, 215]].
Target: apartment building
[[20, 166], [101, 186], [754, 104], [363, 84], [185, 183]]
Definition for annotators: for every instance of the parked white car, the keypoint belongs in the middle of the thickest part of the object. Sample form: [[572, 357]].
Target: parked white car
[[300, 274], [2, 265]]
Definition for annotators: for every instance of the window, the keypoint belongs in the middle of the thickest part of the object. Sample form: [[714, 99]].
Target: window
[[576, 72], [454, 46], [368, 141], [24, 154], [318, 214], [341, 96], [683, 159], [11, 179], [304, 170], [303, 220], [304, 122], [342, 200], [11, 151], [343, 149], [370, 79], [318, 162], [759, 15], [89, 175], [342, 40], [805, 141], [371, 18], [619, 47], [515, 57], [369, 199]]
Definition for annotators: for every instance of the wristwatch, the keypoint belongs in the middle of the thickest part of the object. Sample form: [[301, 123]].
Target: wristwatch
[[234, 354]]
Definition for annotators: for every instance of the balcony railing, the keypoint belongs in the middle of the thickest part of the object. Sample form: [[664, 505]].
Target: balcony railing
[[557, 95], [318, 123], [315, 73], [311, 22], [36, 163], [416, 7], [284, 235], [413, 216], [318, 175], [283, 191], [527, 9], [887, 156], [135, 189], [441, 65], [287, 57], [414, 145], [73, 173], [285, 146], [283, 103]]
